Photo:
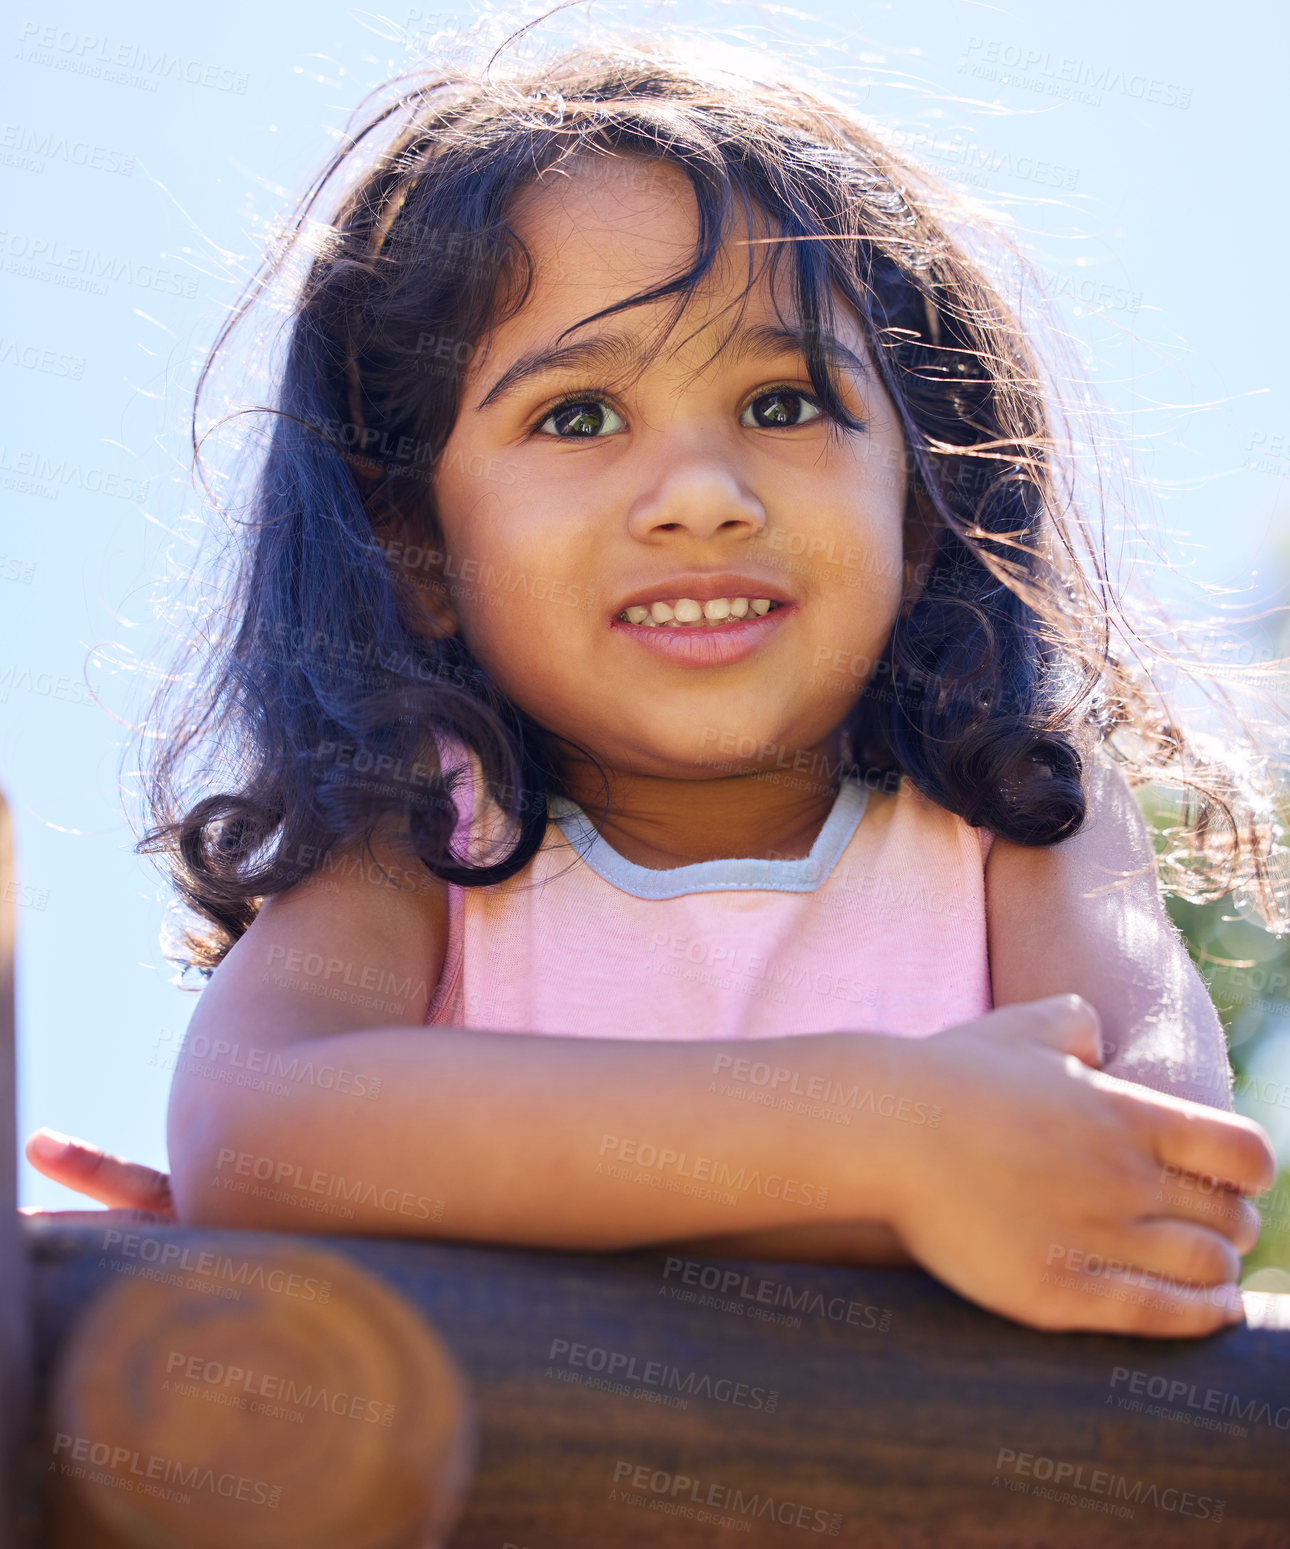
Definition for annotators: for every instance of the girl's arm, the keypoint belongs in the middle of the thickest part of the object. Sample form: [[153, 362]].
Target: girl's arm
[[1058, 923], [137, 1194], [309, 1095], [1086, 916]]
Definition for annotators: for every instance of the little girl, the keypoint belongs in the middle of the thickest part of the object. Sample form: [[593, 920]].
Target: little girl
[[658, 633]]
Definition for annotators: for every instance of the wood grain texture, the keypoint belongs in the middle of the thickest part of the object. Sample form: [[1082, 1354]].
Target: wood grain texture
[[902, 1415], [311, 1408]]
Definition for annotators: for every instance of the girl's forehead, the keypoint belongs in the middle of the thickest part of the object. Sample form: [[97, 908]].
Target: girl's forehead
[[600, 229], [601, 182], [596, 207]]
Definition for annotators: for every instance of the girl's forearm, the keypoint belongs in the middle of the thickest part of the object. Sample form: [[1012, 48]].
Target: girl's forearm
[[593, 1144]]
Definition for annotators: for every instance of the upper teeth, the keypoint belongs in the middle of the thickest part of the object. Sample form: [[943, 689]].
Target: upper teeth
[[685, 610]]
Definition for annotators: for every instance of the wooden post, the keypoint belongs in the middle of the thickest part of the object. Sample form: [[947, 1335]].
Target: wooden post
[[16, 1524], [310, 1407], [646, 1399]]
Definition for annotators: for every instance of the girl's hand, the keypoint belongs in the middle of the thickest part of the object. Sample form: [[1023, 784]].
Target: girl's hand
[[131, 1191], [1068, 1199]]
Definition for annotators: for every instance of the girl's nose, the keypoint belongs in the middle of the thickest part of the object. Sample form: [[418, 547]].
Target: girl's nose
[[701, 495]]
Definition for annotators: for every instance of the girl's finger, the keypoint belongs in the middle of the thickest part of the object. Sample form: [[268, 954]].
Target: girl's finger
[[1140, 1303], [1183, 1252], [1185, 1196], [1207, 1143], [109, 1179], [97, 1217], [1067, 1023]]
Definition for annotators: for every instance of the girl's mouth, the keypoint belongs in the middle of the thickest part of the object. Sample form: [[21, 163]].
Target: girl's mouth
[[686, 613], [708, 634]]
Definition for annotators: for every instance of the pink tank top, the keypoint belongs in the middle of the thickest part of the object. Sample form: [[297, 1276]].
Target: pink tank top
[[881, 928]]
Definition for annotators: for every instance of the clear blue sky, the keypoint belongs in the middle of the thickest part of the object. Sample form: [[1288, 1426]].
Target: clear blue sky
[[1139, 149]]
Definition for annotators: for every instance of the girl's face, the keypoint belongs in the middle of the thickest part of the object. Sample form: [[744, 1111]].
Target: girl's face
[[564, 500]]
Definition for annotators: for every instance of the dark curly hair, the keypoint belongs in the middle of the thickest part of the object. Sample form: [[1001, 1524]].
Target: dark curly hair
[[319, 691]]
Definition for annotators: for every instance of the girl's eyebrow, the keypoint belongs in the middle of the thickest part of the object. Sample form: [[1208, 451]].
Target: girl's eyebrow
[[618, 351]]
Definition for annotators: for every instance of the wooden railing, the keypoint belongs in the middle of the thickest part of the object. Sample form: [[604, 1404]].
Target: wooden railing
[[565, 1401], [205, 1390]]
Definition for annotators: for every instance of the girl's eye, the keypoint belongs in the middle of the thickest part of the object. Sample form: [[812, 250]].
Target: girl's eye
[[592, 418], [779, 406], [581, 417]]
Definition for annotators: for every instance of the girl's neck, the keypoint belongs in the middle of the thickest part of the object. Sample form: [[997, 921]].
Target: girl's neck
[[663, 823]]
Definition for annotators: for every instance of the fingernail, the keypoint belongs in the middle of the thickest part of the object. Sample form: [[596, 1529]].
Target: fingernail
[[1229, 1296], [51, 1141]]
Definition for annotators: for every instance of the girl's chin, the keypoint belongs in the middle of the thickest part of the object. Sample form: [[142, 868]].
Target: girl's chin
[[723, 756]]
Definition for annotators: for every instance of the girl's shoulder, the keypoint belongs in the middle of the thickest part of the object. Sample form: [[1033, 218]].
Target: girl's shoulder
[[351, 948], [363, 935], [897, 810]]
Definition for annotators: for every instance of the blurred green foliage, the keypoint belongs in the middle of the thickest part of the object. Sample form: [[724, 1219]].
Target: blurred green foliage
[[1247, 972]]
